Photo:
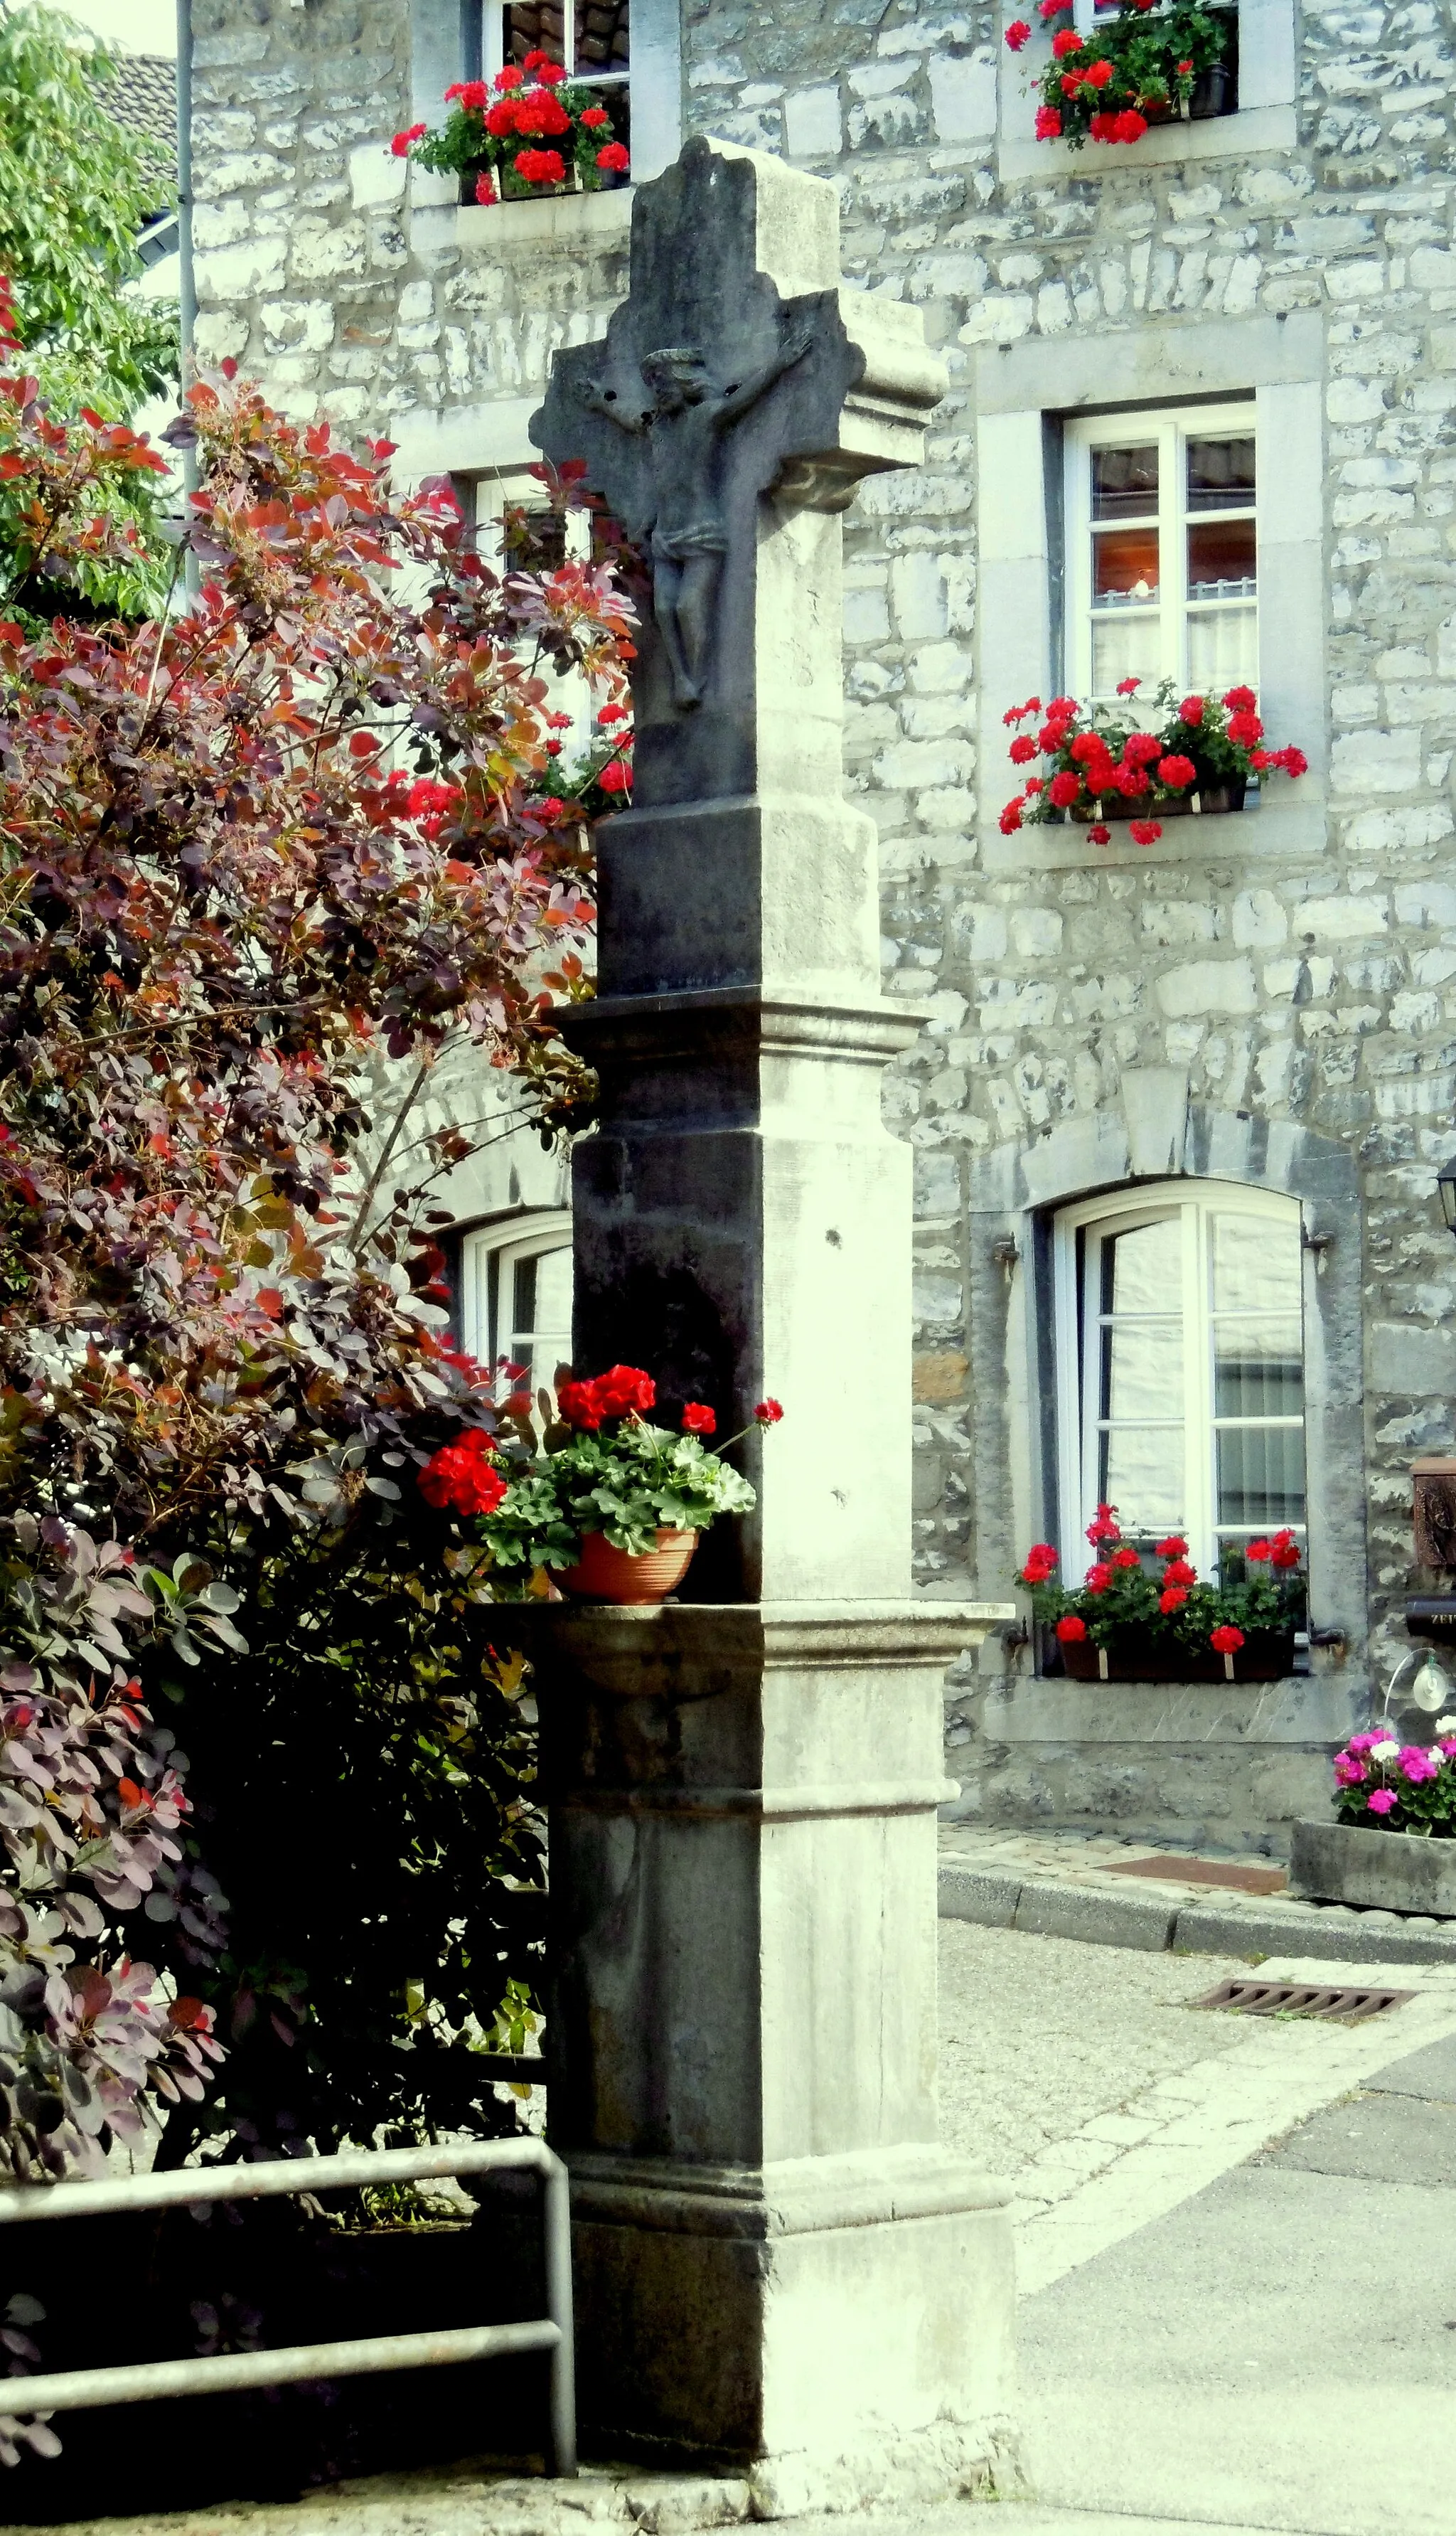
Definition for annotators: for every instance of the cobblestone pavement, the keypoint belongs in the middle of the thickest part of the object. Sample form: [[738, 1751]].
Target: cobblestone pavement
[[1087, 2077]]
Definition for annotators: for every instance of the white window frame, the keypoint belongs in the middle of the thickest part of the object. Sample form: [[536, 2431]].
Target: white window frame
[[1172, 428], [488, 17], [500, 1246], [1078, 1354]]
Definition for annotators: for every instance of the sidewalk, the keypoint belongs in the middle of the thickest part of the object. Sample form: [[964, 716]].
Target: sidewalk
[[1116, 1892]]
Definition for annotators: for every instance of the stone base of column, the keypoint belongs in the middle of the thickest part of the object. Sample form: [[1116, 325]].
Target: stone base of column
[[842, 2326]]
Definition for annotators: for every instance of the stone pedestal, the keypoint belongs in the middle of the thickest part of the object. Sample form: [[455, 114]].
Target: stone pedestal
[[774, 2258], [777, 2265]]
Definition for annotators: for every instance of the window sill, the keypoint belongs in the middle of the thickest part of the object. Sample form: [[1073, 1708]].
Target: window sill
[[1252, 129], [571, 220], [1300, 1709], [1288, 827]]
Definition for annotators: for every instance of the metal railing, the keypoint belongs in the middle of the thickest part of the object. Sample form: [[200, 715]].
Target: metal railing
[[71, 2389]]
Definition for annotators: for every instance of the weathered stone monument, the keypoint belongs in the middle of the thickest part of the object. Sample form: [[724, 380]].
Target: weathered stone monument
[[777, 2265]]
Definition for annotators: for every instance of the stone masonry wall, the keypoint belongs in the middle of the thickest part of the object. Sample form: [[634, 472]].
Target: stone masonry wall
[[1313, 988], [306, 272]]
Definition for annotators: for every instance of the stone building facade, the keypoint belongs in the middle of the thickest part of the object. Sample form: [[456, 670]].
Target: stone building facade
[[1241, 1042]]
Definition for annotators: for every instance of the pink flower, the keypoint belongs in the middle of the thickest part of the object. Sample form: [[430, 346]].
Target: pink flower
[[1363, 1742], [1382, 1801], [1349, 1773], [1416, 1764]]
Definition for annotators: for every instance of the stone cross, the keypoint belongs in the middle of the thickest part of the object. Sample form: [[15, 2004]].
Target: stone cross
[[777, 2265]]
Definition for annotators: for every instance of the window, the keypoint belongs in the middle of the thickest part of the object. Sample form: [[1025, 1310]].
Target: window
[[515, 1292], [588, 38], [1161, 574], [1182, 1356]]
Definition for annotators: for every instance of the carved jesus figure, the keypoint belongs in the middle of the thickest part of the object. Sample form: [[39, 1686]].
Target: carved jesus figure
[[685, 426]]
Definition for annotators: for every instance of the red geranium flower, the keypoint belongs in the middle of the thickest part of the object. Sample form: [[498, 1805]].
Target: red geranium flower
[[485, 187], [1104, 1524], [578, 1404], [1065, 790], [1128, 686], [1125, 1558], [401, 140], [1178, 1572], [616, 777], [1174, 1547], [1100, 836], [594, 116], [1098, 74], [768, 1412], [462, 1474], [1069, 83], [1010, 819], [1190, 711], [614, 158], [1130, 124], [1172, 1598], [1022, 749], [1177, 773], [1257, 1551], [698, 1419], [1099, 1578], [1131, 781], [1048, 121], [1293, 761], [624, 1389], [1226, 1640], [1244, 729], [1068, 42], [1141, 748], [540, 166], [1017, 33], [1070, 1629], [1144, 832], [1284, 1549], [1240, 700]]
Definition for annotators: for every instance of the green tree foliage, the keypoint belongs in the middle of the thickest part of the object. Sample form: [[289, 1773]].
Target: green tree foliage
[[75, 187]]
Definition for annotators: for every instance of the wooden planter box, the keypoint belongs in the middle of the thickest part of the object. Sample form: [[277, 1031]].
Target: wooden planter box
[[1267, 1654], [1378, 1870]]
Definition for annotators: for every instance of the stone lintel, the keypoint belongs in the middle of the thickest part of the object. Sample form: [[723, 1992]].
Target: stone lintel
[[733, 1026], [791, 2198]]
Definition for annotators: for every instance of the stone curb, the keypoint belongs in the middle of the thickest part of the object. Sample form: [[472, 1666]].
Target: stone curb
[[1154, 1925]]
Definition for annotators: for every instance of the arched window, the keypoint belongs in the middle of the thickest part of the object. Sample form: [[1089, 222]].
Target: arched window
[[515, 1292], [1181, 1364]]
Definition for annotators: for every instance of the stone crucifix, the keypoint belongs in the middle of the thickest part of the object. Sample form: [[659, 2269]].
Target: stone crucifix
[[778, 2266], [732, 372]]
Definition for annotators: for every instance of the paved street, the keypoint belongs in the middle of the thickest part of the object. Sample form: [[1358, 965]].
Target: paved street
[[1236, 2241]]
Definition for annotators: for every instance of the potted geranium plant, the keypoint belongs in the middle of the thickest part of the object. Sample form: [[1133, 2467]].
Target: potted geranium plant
[[1132, 1622], [527, 131], [1101, 764], [1133, 69], [591, 1495]]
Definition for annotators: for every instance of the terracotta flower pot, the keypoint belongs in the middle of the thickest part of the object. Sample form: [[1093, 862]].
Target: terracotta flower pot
[[603, 1574]]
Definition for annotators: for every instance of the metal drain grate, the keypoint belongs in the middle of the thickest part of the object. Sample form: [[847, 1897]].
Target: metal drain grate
[[1298, 1999]]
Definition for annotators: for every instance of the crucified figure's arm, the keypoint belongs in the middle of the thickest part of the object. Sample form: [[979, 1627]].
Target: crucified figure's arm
[[736, 399]]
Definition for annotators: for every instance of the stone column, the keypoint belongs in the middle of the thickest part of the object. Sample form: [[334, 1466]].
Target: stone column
[[777, 2265]]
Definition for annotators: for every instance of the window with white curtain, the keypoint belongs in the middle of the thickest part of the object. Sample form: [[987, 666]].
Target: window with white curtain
[[516, 1293], [1162, 562], [1181, 1373]]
